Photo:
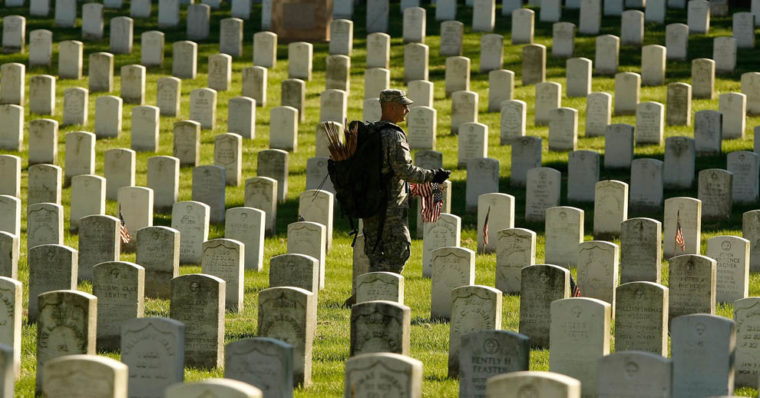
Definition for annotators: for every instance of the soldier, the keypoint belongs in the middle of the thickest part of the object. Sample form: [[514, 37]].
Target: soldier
[[386, 236]]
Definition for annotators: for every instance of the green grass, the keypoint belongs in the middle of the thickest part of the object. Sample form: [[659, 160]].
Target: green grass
[[429, 338]]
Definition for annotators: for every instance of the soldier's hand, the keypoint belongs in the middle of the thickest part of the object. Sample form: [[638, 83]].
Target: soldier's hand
[[441, 175]]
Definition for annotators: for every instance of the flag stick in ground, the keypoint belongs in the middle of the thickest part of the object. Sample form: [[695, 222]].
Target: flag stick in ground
[[678, 240], [485, 229], [123, 232]]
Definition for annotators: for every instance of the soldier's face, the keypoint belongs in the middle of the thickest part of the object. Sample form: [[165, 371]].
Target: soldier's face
[[394, 112], [401, 111]]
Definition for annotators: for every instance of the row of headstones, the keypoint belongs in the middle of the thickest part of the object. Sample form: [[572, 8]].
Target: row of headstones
[[641, 241], [88, 197], [542, 187], [121, 34], [627, 372], [378, 46], [671, 278], [534, 55], [632, 28], [719, 189], [202, 101], [709, 125], [597, 261], [364, 374], [467, 312], [231, 30], [65, 13], [691, 292], [649, 177], [447, 9], [184, 54], [198, 301], [192, 219], [653, 60], [573, 327], [45, 220], [464, 107], [484, 12]]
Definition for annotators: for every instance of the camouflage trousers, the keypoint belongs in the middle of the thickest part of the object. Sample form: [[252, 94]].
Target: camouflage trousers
[[390, 251]]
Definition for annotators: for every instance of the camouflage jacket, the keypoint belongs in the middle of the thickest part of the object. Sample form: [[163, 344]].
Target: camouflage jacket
[[397, 160]]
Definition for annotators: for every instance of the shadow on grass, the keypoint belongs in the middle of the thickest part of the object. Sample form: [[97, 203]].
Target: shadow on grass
[[419, 320]]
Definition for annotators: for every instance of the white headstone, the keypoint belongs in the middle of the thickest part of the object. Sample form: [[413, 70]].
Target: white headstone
[[451, 37], [563, 129], [40, 47], [491, 52], [548, 97], [168, 13], [513, 115], [203, 107], [724, 54], [590, 19], [522, 26], [121, 35], [653, 65], [145, 126], [198, 19], [415, 62], [646, 185], [563, 39], [70, 59], [80, 154], [610, 208], [42, 94], [231, 37], [299, 60], [698, 17], [265, 49], [627, 88], [152, 48], [184, 59], [219, 72], [542, 191], [703, 79], [377, 16], [598, 111], [744, 29], [533, 64], [92, 21], [606, 58], [12, 83], [228, 153], [650, 123], [101, 72], [341, 36], [677, 41], [378, 50]]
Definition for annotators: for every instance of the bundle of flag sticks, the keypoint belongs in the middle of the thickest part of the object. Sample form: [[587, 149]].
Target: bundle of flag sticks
[[338, 149]]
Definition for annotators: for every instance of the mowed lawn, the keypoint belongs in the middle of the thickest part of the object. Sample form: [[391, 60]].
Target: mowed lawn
[[429, 339]]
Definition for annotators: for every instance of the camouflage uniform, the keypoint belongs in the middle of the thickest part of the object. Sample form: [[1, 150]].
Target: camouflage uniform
[[390, 251]]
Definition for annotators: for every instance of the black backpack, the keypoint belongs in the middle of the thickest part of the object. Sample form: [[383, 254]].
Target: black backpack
[[360, 186]]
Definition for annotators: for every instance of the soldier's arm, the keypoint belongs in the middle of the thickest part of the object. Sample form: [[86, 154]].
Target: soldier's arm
[[401, 162]]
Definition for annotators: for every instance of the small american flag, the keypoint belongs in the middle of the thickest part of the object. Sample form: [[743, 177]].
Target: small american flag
[[485, 229], [432, 199], [575, 291], [125, 236], [679, 234]]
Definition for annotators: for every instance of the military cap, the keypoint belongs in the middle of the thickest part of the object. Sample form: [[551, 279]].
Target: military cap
[[392, 95]]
